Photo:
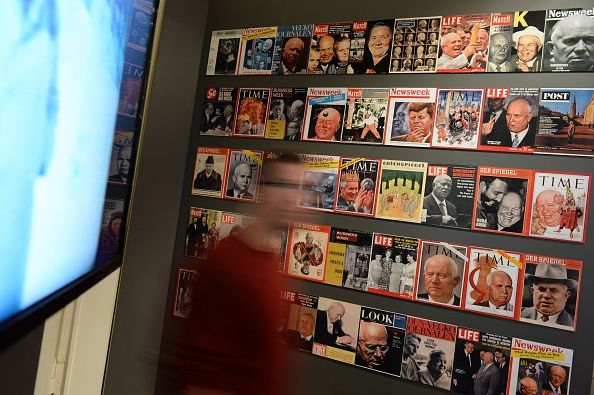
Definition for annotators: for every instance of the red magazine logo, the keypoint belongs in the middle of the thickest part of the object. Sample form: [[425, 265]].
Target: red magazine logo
[[211, 93]]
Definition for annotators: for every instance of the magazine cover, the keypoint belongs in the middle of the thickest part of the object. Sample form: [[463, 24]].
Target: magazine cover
[[401, 190], [502, 200], [551, 291], [231, 223], [415, 45], [510, 119], [202, 233], [560, 206], [218, 116], [528, 41], [568, 38], [393, 265], [256, 50], [285, 117], [566, 121], [380, 341], [357, 186], [324, 114], [457, 118], [481, 362], [308, 251], [371, 42], [337, 327], [500, 43], [319, 181], [464, 43], [299, 320], [243, 175], [449, 196], [428, 353], [441, 273], [121, 154], [330, 44], [224, 52], [183, 292], [209, 171], [278, 243], [492, 283], [130, 88], [411, 113], [111, 225], [140, 24], [365, 115], [348, 258], [252, 109], [540, 369], [291, 49]]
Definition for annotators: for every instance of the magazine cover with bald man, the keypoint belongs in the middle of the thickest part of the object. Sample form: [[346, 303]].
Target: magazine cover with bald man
[[298, 321], [365, 116], [528, 41], [252, 109], [223, 53], [307, 252], [319, 181], [441, 274], [182, 303], [428, 352], [493, 282], [202, 233], [500, 43], [291, 49], [348, 258], [218, 115], [121, 157], [231, 223], [415, 45], [243, 175], [380, 341], [464, 43], [324, 114], [337, 327], [411, 112], [256, 50], [285, 117], [357, 186], [209, 171], [371, 43], [330, 44]]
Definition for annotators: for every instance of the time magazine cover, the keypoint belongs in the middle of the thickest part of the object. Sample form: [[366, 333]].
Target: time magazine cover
[[329, 52], [121, 157], [380, 341], [357, 186], [209, 171], [457, 118], [111, 225], [528, 41], [256, 50], [464, 43], [415, 45], [324, 115], [493, 282], [371, 42], [243, 175], [365, 115], [224, 52], [130, 88], [411, 113], [500, 43], [252, 109], [560, 206], [393, 265], [348, 258], [319, 181], [231, 223], [291, 49], [449, 196], [202, 233], [441, 274], [285, 117], [182, 305], [308, 251], [218, 116], [401, 190], [298, 321]]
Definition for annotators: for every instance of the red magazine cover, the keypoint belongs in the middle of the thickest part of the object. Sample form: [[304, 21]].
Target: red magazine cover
[[251, 112], [357, 186], [307, 252], [209, 171]]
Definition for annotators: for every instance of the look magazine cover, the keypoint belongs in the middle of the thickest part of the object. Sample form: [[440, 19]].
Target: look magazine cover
[[528, 41]]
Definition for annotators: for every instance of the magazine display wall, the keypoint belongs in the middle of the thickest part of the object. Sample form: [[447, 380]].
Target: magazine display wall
[[408, 316]]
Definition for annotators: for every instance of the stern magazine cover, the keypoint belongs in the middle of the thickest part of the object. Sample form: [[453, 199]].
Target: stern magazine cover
[[202, 233], [218, 116]]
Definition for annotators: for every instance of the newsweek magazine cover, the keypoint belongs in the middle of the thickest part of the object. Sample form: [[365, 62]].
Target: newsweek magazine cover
[[111, 225], [380, 341], [330, 43], [471, 345], [401, 190], [465, 43], [308, 251], [371, 42], [231, 223], [560, 206], [243, 175], [411, 112], [121, 153], [319, 181], [493, 282], [449, 196], [528, 41], [224, 52], [140, 24], [252, 109], [415, 45], [441, 273], [566, 122], [324, 114], [285, 117], [202, 233], [500, 43], [502, 200], [537, 368], [182, 305], [428, 353], [291, 49], [298, 321], [218, 115], [365, 116], [510, 119], [256, 50], [209, 171], [457, 118], [551, 291], [278, 243], [337, 327], [568, 32], [348, 258], [393, 265], [357, 186]]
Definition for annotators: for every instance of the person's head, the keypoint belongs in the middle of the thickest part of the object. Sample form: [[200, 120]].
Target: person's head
[[123, 160], [442, 185], [309, 238], [326, 47], [557, 375], [469, 347], [482, 40], [420, 51], [430, 62], [495, 104], [292, 128], [378, 256], [500, 356], [408, 51], [411, 257], [421, 37], [395, 64], [528, 43], [242, 177], [335, 312], [432, 36], [488, 357], [423, 24], [306, 324], [314, 59], [410, 37], [411, 344], [194, 220], [420, 117], [441, 276], [349, 186], [518, 115], [203, 219], [396, 52], [380, 38], [296, 109], [398, 38], [209, 164], [464, 36], [438, 362], [228, 110], [528, 386], [510, 210], [550, 297], [549, 205], [451, 44], [209, 108], [499, 48], [292, 51], [372, 345], [434, 23], [572, 42], [482, 355], [115, 222], [341, 49], [492, 190], [388, 253], [278, 108], [401, 119], [500, 288], [327, 123], [279, 188]]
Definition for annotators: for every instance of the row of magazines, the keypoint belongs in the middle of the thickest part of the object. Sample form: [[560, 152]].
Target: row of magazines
[[512, 201], [558, 40], [506, 119], [435, 354]]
